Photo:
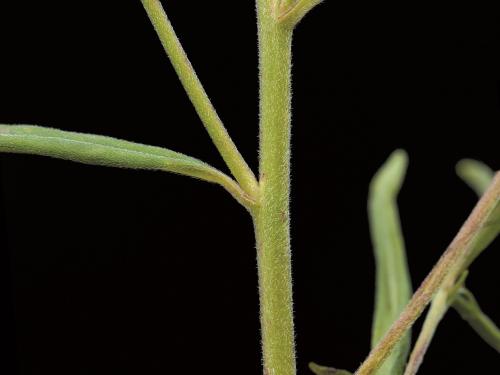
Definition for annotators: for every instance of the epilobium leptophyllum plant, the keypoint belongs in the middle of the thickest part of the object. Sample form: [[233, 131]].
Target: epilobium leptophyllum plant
[[266, 197]]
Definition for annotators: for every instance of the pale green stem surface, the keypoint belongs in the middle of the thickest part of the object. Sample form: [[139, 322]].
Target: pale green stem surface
[[436, 312], [199, 98], [469, 310], [111, 152], [460, 248], [464, 302], [478, 176], [290, 16], [284, 4], [271, 217], [393, 284]]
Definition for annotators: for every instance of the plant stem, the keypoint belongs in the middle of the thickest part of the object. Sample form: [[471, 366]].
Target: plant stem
[[464, 302], [437, 311], [271, 217], [199, 97]]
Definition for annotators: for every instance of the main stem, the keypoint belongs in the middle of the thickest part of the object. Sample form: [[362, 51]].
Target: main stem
[[271, 217]]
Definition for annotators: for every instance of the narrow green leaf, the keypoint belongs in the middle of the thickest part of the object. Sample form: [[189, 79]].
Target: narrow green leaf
[[393, 284], [323, 370], [476, 174], [108, 151], [469, 310]]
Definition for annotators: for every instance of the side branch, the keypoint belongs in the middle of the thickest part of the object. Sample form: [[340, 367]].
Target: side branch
[[199, 97]]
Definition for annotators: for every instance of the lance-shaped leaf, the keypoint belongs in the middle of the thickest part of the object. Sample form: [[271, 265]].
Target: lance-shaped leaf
[[468, 308], [393, 284], [476, 174], [111, 152]]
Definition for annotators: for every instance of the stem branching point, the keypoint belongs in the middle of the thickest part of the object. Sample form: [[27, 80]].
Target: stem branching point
[[213, 124]]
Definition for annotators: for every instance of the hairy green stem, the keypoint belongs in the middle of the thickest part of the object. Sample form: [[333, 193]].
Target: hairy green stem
[[199, 98], [271, 218]]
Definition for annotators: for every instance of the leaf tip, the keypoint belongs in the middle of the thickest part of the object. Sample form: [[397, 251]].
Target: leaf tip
[[475, 173], [391, 174], [399, 158]]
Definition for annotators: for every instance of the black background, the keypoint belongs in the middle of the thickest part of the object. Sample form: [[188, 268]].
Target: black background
[[116, 271]]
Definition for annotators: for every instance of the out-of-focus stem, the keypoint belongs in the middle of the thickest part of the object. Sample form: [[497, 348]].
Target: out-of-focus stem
[[453, 258]]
